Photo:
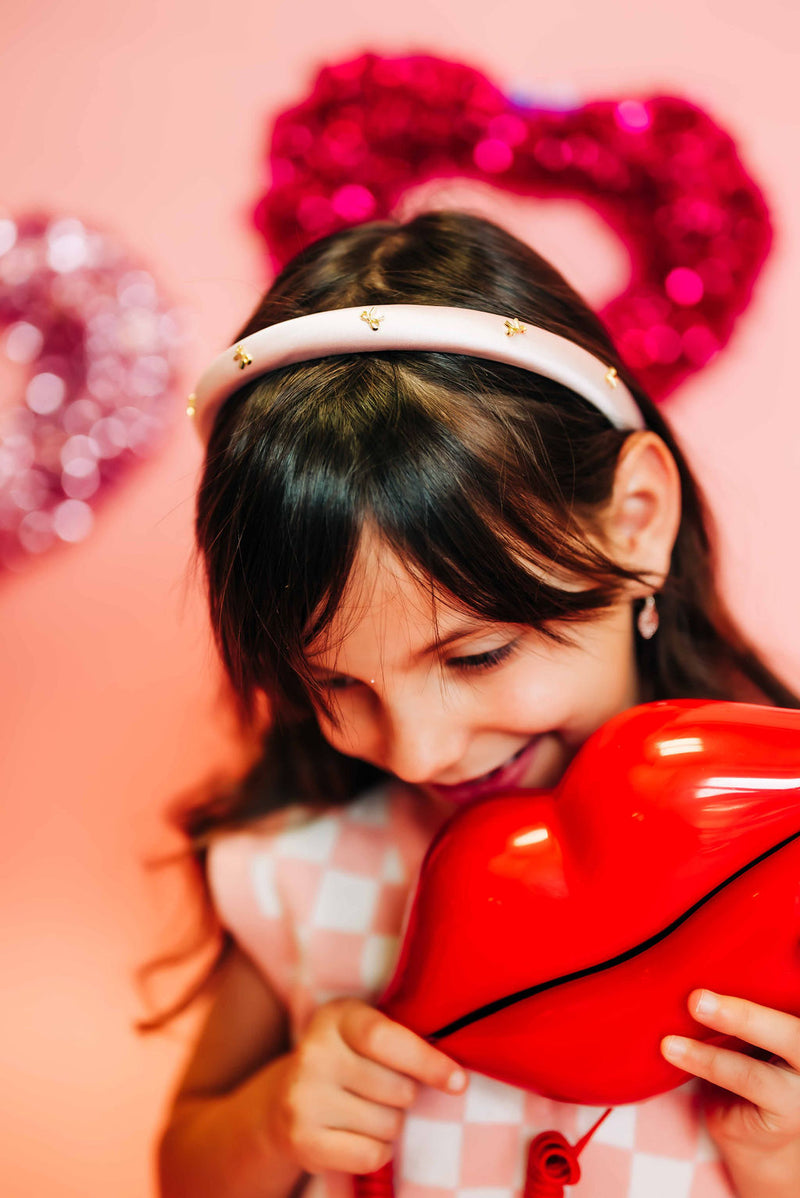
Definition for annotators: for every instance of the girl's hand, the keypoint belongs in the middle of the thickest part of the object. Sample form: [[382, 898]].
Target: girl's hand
[[345, 1088], [756, 1105]]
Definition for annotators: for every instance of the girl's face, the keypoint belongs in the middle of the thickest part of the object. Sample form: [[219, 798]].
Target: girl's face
[[496, 699]]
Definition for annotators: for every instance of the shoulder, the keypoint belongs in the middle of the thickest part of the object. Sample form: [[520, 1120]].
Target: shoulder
[[303, 829], [240, 857], [285, 885]]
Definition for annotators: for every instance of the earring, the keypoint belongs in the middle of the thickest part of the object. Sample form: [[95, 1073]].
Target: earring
[[647, 621]]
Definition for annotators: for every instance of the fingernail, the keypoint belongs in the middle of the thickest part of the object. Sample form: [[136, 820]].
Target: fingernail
[[674, 1047], [457, 1080], [707, 1003]]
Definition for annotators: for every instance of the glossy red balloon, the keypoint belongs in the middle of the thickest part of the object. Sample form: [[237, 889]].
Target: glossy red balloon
[[555, 936]]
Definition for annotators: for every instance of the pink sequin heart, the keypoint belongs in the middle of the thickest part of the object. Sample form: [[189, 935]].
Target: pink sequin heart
[[98, 344], [663, 174]]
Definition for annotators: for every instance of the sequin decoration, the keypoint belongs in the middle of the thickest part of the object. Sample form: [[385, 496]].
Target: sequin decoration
[[664, 175], [96, 345]]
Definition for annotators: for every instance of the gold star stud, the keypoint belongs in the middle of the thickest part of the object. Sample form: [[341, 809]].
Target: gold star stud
[[513, 326], [242, 357], [372, 319], [191, 405], [611, 376]]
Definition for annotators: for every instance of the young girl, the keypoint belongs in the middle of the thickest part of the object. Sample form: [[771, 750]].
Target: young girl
[[446, 535]]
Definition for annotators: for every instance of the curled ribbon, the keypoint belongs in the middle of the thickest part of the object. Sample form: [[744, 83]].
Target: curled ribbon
[[552, 1164]]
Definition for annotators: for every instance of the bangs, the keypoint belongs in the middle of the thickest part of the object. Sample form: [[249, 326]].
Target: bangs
[[457, 484]]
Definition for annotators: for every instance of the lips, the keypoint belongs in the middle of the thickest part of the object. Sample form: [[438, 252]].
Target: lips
[[503, 777], [554, 936]]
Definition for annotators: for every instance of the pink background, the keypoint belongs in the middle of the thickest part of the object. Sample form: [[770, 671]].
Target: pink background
[[150, 119]]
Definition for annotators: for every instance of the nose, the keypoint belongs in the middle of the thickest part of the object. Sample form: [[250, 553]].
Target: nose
[[421, 742]]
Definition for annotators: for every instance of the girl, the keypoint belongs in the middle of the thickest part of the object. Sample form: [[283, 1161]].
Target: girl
[[446, 541]]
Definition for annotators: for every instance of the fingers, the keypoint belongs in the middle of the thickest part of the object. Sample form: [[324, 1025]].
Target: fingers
[[346, 1152], [348, 1083], [377, 1083], [768, 1086], [372, 1034], [356, 1114], [774, 1031]]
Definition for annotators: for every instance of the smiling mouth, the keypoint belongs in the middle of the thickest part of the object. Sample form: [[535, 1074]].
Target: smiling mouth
[[498, 769]]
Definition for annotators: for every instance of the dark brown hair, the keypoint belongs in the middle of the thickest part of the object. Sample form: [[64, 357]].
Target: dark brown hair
[[475, 473]]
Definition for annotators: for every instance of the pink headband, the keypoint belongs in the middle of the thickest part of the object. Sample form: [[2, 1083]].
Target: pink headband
[[413, 326]]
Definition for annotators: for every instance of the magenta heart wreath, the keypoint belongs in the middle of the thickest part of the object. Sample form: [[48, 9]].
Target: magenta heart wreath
[[660, 171], [97, 343]]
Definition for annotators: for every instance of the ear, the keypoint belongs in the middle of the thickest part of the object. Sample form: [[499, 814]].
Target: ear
[[641, 520]]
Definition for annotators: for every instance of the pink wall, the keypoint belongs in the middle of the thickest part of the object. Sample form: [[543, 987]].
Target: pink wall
[[150, 118]]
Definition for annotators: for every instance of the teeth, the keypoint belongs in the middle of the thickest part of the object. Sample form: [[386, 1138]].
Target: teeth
[[499, 768], [493, 773]]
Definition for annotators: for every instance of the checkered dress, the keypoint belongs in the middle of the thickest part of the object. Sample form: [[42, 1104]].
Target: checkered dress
[[318, 905]]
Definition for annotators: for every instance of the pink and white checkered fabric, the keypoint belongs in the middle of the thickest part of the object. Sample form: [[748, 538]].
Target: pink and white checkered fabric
[[318, 905]]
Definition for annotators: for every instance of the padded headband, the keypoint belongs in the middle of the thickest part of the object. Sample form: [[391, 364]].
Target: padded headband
[[412, 327]]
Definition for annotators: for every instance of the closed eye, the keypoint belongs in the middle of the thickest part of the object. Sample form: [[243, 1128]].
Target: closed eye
[[484, 661], [474, 662]]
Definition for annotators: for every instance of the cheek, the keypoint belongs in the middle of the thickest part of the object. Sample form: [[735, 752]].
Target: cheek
[[350, 735], [535, 692], [567, 687]]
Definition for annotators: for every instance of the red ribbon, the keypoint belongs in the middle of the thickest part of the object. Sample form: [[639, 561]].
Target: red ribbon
[[552, 1164]]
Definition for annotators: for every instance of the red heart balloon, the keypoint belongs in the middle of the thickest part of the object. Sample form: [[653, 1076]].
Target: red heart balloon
[[659, 170], [554, 937]]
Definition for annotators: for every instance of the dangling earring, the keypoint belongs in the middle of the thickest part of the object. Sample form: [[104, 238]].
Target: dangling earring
[[647, 621]]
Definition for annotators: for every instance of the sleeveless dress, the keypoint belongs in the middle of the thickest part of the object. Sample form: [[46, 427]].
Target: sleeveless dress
[[317, 903]]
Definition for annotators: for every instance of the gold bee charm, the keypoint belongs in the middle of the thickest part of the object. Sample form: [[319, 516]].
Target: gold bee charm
[[373, 320], [242, 357], [513, 326], [190, 405], [611, 376]]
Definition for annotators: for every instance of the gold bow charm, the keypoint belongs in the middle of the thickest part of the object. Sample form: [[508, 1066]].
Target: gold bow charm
[[372, 319]]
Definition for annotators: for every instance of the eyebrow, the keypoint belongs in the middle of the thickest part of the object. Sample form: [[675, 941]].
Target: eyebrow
[[455, 634]]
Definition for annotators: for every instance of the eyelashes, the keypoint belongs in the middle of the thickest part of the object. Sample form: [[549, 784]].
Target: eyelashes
[[484, 661], [474, 663]]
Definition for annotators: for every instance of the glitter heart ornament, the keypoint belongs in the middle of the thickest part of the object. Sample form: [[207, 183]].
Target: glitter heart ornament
[[99, 346], [663, 173]]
